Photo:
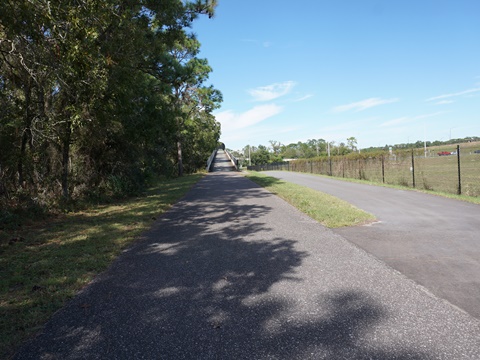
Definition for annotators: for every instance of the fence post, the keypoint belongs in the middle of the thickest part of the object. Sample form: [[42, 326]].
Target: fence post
[[311, 167], [331, 173], [383, 169], [413, 170], [459, 176]]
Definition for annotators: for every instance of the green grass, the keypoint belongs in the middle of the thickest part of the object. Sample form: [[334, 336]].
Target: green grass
[[326, 209], [42, 265]]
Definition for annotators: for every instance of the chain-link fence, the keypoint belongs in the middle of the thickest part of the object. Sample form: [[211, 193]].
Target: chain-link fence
[[452, 170]]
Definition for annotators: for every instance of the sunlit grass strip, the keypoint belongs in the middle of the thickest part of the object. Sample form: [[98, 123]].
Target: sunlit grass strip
[[326, 209], [45, 264]]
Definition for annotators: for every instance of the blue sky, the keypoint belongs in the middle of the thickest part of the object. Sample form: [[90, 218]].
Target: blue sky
[[383, 71]]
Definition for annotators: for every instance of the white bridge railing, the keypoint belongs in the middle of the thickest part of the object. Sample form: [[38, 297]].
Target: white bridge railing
[[232, 158], [210, 160]]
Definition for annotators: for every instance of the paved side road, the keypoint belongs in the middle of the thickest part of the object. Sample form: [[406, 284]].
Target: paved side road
[[234, 272], [431, 239]]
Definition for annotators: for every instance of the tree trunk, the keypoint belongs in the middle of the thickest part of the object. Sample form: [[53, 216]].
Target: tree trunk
[[22, 156], [65, 159], [180, 159], [25, 135]]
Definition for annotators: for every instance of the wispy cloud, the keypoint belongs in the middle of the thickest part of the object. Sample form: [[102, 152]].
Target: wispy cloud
[[233, 121], [256, 135], [303, 98], [444, 102], [446, 96], [409, 119], [363, 105], [273, 91], [397, 121]]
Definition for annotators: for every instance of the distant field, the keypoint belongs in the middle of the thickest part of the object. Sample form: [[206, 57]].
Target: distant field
[[465, 147], [434, 172]]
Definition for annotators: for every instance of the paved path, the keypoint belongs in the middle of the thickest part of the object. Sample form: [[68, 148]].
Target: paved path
[[431, 239], [222, 162], [234, 272]]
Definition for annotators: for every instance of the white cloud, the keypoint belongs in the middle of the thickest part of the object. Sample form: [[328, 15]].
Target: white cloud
[[444, 102], [363, 105], [303, 98], [273, 91], [407, 119], [232, 121], [398, 121], [445, 96], [256, 135]]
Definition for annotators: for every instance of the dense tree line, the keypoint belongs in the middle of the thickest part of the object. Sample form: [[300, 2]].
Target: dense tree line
[[98, 95]]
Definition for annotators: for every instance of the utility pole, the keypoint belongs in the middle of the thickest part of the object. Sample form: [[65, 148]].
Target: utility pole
[[249, 157], [425, 140]]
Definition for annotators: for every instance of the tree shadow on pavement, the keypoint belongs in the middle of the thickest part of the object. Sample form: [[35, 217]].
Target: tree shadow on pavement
[[201, 286]]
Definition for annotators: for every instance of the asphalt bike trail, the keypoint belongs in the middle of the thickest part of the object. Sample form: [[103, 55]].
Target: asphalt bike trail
[[234, 272]]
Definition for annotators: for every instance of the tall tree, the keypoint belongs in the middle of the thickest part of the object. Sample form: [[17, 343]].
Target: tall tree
[[86, 92], [352, 143], [189, 96]]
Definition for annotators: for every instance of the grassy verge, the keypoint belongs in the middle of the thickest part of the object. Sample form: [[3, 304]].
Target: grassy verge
[[326, 209], [44, 264]]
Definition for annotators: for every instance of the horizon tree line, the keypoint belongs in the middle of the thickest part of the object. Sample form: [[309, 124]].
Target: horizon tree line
[[278, 152]]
